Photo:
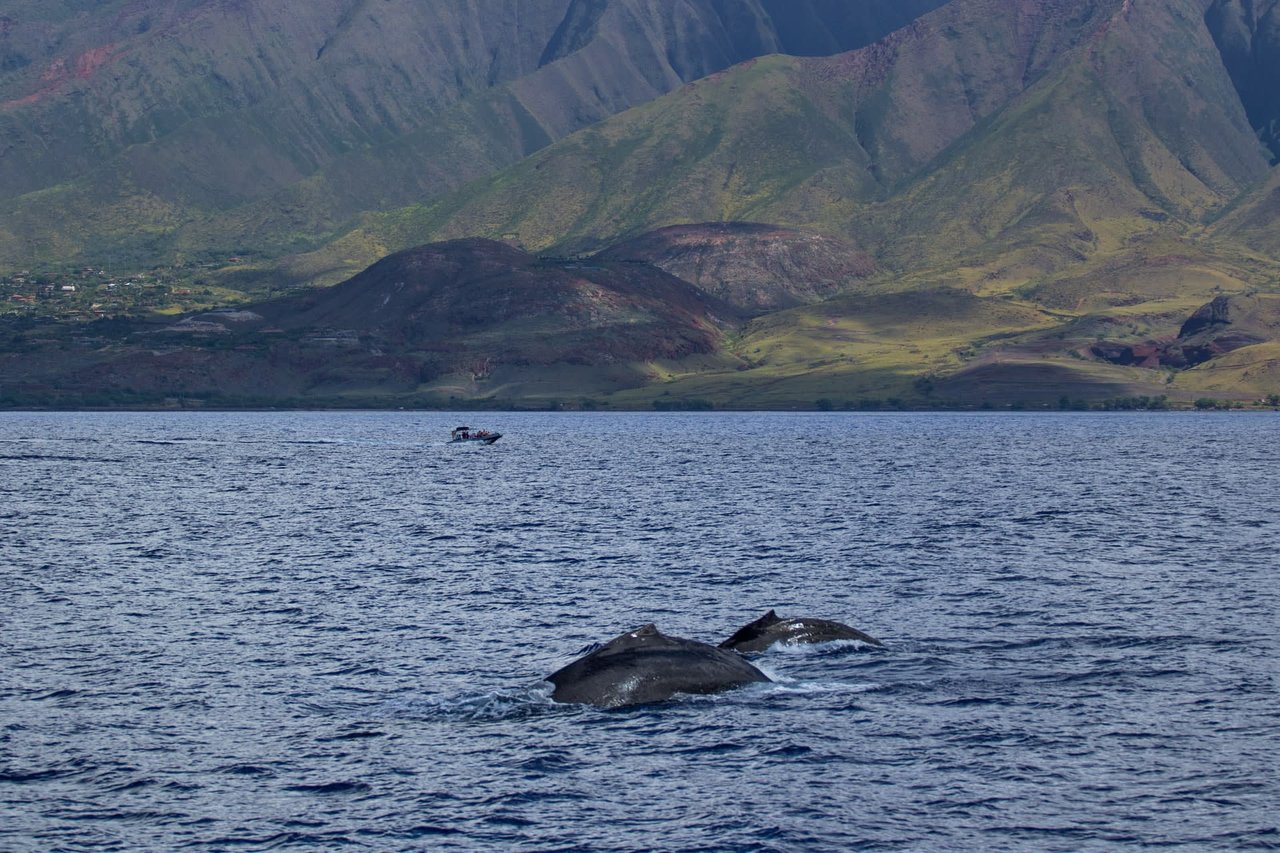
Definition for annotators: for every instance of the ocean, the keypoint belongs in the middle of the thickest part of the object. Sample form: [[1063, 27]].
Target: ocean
[[312, 631]]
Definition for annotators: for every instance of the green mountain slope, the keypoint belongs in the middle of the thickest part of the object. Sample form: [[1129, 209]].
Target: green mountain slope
[[970, 128], [1252, 220]]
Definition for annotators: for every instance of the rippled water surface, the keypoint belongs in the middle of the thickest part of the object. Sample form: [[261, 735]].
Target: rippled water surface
[[306, 631]]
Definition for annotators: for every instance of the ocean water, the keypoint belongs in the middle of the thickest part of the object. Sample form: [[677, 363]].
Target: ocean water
[[312, 631]]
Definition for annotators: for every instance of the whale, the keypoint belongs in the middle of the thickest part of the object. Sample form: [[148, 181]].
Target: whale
[[645, 666], [771, 628]]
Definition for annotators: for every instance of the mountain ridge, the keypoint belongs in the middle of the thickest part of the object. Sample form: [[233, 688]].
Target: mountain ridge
[[805, 131], [247, 127]]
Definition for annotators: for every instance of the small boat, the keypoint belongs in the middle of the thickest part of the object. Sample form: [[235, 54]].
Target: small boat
[[467, 434]]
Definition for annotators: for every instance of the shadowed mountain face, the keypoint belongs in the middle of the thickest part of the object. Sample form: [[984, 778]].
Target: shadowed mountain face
[[1248, 34], [824, 27], [131, 129]]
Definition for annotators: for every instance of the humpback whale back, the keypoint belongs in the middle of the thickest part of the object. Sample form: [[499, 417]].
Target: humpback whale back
[[645, 665], [770, 628]]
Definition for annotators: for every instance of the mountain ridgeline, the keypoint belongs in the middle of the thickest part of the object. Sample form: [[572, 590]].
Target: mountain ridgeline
[[141, 131], [745, 202]]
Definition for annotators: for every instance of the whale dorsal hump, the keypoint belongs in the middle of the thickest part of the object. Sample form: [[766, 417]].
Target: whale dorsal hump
[[642, 636]]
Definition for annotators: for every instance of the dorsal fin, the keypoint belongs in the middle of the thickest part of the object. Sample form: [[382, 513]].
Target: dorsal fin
[[770, 618], [650, 630]]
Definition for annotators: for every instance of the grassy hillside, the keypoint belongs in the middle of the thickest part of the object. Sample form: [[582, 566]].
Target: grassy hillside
[[1252, 220]]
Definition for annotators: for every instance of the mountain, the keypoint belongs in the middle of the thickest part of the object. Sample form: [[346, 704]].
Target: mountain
[[137, 132], [1000, 202], [1090, 159], [945, 139]]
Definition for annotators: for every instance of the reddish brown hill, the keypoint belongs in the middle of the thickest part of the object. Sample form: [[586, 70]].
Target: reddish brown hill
[[517, 307], [475, 309]]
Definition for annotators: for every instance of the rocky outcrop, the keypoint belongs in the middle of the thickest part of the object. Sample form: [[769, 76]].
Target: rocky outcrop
[[758, 268], [1226, 324], [1129, 355]]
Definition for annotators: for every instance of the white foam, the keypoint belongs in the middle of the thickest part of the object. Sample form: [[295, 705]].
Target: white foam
[[839, 687], [825, 647]]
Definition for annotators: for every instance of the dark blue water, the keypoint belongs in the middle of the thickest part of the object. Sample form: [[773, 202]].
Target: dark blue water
[[313, 631]]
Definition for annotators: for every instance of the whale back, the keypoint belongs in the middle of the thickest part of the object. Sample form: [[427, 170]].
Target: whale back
[[644, 666], [770, 629]]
